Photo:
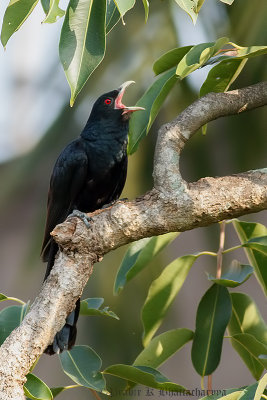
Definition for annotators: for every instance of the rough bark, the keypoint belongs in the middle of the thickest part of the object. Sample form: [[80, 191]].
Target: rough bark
[[172, 205]]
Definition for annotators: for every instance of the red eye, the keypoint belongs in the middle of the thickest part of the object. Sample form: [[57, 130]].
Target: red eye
[[107, 102]]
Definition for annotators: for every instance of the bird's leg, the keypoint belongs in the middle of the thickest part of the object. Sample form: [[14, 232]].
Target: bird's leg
[[84, 217]]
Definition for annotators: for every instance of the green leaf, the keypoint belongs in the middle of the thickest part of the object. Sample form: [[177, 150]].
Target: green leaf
[[143, 375], [152, 100], [170, 59], [54, 13], [163, 347], [45, 5], [82, 365], [246, 318], [191, 7], [36, 389], [263, 359], [82, 41], [112, 16], [251, 51], [246, 232], [213, 315], [249, 350], [15, 15], [229, 2], [249, 392], [162, 293], [137, 257], [91, 307], [235, 276], [221, 77], [232, 396], [10, 318], [146, 7], [261, 387], [198, 55], [257, 243], [3, 297], [124, 6]]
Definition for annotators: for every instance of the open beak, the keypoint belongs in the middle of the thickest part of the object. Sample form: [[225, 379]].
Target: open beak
[[118, 100]]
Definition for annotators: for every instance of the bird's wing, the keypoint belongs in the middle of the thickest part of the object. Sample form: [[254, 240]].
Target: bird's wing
[[68, 178]]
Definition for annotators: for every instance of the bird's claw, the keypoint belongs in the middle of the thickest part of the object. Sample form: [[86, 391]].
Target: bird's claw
[[84, 217]]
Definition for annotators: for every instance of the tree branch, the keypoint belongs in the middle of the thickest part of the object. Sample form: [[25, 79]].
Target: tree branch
[[172, 205]]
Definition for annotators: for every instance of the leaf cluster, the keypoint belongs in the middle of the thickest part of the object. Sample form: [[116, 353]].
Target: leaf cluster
[[217, 311]]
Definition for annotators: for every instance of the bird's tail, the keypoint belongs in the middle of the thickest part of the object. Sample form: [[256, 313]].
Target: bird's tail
[[65, 338]]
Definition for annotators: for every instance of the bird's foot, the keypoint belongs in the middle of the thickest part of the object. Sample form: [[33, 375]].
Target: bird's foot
[[84, 217]]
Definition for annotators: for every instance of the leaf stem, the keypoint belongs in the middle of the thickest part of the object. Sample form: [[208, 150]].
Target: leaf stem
[[232, 249], [17, 300], [220, 250], [208, 253]]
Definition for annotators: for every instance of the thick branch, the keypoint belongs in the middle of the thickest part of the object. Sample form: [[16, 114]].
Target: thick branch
[[172, 205]]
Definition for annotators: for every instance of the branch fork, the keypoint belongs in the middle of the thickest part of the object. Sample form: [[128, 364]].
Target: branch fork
[[172, 205]]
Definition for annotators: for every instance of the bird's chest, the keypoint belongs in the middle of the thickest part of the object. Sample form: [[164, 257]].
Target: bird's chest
[[105, 159]]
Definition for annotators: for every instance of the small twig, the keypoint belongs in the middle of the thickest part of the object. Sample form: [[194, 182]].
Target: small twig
[[209, 384], [220, 250], [95, 394]]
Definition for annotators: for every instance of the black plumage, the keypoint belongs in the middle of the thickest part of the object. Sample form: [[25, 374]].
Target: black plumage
[[89, 173]]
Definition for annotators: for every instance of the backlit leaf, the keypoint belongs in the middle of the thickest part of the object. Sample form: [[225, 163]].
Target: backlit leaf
[[198, 55], [191, 7], [221, 77], [246, 232], [170, 59], [162, 293], [112, 16], [124, 6], [163, 347], [152, 100], [146, 7], [82, 41], [138, 255], [261, 387], [82, 365], [54, 13], [15, 15], [258, 243], [213, 315], [246, 319], [249, 350], [229, 2]]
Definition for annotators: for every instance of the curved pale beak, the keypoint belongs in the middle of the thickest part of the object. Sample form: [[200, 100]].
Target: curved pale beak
[[118, 100]]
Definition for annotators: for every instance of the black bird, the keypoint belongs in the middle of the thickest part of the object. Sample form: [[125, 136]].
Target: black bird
[[89, 173]]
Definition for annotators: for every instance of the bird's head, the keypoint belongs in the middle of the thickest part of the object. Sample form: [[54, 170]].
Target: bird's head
[[110, 106]]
